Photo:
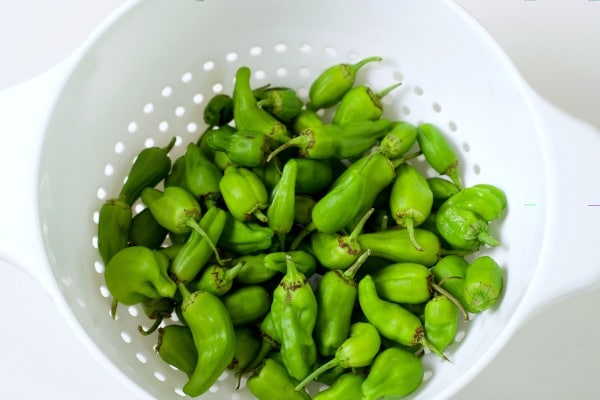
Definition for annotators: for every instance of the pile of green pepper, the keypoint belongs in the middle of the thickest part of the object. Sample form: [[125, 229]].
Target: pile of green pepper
[[294, 249]]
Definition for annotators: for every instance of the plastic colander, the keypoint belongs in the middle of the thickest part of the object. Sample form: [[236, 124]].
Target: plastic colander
[[145, 76]]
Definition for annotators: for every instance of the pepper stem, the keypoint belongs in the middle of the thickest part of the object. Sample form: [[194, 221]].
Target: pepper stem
[[113, 308], [409, 222], [231, 273], [360, 225], [184, 290], [355, 67], [170, 145], [195, 226], [301, 141], [380, 95], [396, 162], [302, 234], [154, 326], [312, 376], [430, 346], [449, 296], [485, 237], [259, 215], [351, 271]]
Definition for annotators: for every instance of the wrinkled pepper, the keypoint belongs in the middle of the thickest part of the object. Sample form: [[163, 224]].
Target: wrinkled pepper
[[440, 321], [244, 148], [283, 103], [217, 279], [361, 103], [218, 111], [482, 284], [399, 139]]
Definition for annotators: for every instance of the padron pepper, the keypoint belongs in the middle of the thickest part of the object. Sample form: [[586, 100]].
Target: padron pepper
[[176, 176], [270, 341], [306, 119], [395, 373], [482, 284], [254, 270], [283, 103], [247, 304], [245, 237], [137, 275], [440, 321], [314, 176], [410, 200], [357, 351], [334, 82], [449, 273], [336, 298], [199, 247], [361, 103], [244, 194], [151, 166], [398, 140], [336, 141], [214, 338], [156, 310], [463, 229], [175, 208], [269, 173], [244, 148], [176, 347], [395, 245], [303, 206], [146, 231], [247, 346], [294, 313], [442, 189], [217, 279], [304, 261], [485, 200], [272, 382], [248, 116], [392, 320], [438, 152], [114, 222], [346, 387], [218, 111], [280, 212], [202, 176]]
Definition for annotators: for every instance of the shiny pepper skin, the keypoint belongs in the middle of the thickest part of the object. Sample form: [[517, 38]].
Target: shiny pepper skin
[[333, 83], [399, 139], [463, 229], [114, 223], [438, 152], [487, 201], [294, 313], [283, 103], [395, 245], [151, 166], [145, 231], [247, 304], [280, 213], [245, 237], [449, 273], [244, 194], [214, 338], [442, 189], [172, 208], [217, 279], [347, 387], [361, 103], [395, 373], [137, 275], [440, 321], [244, 148], [408, 283], [176, 347], [272, 382]]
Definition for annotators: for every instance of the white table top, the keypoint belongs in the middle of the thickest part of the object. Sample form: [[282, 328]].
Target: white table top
[[554, 43]]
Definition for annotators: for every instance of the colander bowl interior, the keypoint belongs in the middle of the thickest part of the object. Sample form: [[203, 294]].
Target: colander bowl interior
[[148, 75]]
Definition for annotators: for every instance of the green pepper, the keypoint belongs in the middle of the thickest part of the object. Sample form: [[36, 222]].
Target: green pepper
[[156, 310], [306, 119], [411, 200], [408, 283], [199, 248], [333, 83], [336, 141], [218, 111], [273, 382], [244, 148], [214, 338], [246, 348], [440, 321], [245, 237], [346, 387], [357, 351], [254, 270], [202, 176], [487, 201], [217, 279], [177, 175], [269, 173], [145, 231], [244, 194], [361, 104], [280, 213], [449, 273], [392, 320], [314, 176], [482, 284], [269, 341], [138, 275], [395, 373], [176, 347], [175, 208], [303, 206], [151, 166], [441, 189], [463, 229], [283, 103], [248, 116], [247, 304], [438, 152], [336, 298], [395, 245], [399, 139], [336, 251], [303, 261], [294, 313], [114, 222]]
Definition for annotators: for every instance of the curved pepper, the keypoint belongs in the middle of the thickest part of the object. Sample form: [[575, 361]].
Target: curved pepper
[[272, 382], [336, 141], [214, 338], [270, 341], [438, 152], [280, 213], [248, 116], [202, 176], [463, 229], [331, 84], [336, 298], [392, 320], [410, 200], [217, 279], [395, 245], [151, 166], [395, 373], [176, 347], [175, 208], [114, 222], [177, 175], [346, 387], [487, 201], [244, 148], [361, 104], [357, 351], [247, 304], [245, 237], [399, 139], [244, 194], [294, 313], [145, 231]]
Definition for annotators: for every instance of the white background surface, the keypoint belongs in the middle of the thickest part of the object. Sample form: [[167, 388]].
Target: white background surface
[[556, 46]]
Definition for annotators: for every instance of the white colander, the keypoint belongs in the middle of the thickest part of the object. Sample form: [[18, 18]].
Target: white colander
[[145, 75]]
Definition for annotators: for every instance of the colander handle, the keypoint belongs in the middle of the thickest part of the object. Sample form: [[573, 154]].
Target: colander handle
[[569, 264], [24, 110]]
